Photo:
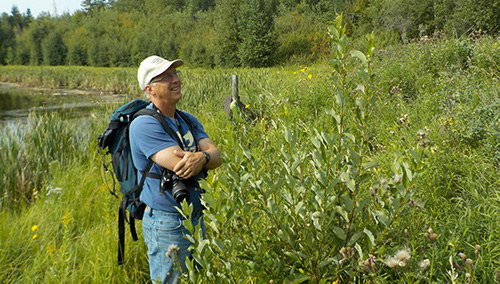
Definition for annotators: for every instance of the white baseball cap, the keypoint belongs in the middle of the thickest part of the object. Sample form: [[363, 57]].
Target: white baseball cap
[[154, 66]]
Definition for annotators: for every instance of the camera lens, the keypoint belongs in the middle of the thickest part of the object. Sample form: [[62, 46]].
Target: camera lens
[[179, 191]]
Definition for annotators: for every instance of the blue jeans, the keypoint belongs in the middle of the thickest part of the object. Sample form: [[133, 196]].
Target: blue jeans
[[167, 247]]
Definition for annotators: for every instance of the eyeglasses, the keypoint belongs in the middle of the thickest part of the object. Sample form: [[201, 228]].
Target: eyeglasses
[[167, 77]]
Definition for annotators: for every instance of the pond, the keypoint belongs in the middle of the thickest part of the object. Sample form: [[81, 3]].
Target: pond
[[16, 103]]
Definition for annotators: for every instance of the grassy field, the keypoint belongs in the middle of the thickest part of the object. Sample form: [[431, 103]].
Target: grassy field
[[385, 171]]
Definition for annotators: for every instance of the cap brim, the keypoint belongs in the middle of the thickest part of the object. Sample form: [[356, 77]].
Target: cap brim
[[176, 63]]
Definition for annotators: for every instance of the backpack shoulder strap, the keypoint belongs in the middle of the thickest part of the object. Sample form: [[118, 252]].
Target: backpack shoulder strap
[[122, 215], [160, 119], [184, 117], [192, 127]]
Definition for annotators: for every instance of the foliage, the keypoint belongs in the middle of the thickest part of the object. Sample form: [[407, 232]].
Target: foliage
[[256, 30], [54, 50], [320, 156], [209, 33]]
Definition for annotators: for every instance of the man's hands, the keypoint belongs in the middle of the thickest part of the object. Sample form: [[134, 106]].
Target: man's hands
[[190, 164]]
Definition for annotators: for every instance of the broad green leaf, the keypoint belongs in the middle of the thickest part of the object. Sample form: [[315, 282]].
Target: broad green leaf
[[291, 254], [355, 237], [415, 155], [316, 142], [408, 171], [339, 97], [339, 232], [326, 262], [370, 236], [244, 179], [202, 245], [355, 158], [361, 102], [347, 202], [359, 55], [288, 135], [298, 207], [382, 217], [350, 136], [297, 278], [360, 250], [370, 165], [220, 245]]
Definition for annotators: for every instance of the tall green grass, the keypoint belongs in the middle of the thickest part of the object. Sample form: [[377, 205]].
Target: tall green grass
[[58, 222]]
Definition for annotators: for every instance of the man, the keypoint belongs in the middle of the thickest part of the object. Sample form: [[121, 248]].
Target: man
[[162, 223]]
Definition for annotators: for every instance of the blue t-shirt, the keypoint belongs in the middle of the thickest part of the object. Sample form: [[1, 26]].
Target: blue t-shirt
[[148, 137]]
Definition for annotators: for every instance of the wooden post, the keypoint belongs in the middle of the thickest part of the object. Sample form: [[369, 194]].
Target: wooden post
[[236, 96], [229, 99]]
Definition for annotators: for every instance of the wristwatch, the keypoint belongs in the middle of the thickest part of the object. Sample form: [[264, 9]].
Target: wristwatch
[[207, 157]]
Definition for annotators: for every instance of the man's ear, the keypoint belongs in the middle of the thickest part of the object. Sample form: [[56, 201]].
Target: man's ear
[[149, 90]]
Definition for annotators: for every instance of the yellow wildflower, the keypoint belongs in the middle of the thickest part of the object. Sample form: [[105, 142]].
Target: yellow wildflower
[[35, 236], [67, 218], [310, 76], [34, 228], [247, 106]]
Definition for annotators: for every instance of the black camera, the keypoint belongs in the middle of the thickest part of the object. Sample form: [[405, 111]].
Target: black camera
[[170, 181]]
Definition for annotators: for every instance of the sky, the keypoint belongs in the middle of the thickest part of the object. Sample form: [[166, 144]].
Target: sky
[[38, 6]]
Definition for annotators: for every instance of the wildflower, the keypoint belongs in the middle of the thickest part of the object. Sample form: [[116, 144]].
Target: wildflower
[[401, 258], [424, 264], [67, 218], [397, 178], [34, 228], [369, 264], [53, 190], [463, 256], [469, 263], [35, 236], [430, 235], [478, 247], [392, 262], [468, 276], [310, 76], [247, 106], [172, 249]]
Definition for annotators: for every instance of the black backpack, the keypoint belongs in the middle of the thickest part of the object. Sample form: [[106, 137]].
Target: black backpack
[[116, 139]]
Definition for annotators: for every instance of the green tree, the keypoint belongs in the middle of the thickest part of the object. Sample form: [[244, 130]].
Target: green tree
[[54, 49], [403, 16], [469, 15], [77, 54], [226, 33], [98, 52], [256, 30], [38, 30]]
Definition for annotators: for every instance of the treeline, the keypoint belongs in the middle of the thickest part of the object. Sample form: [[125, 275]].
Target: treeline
[[227, 33]]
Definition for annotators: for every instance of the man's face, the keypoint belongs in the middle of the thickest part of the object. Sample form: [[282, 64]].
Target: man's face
[[167, 85]]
